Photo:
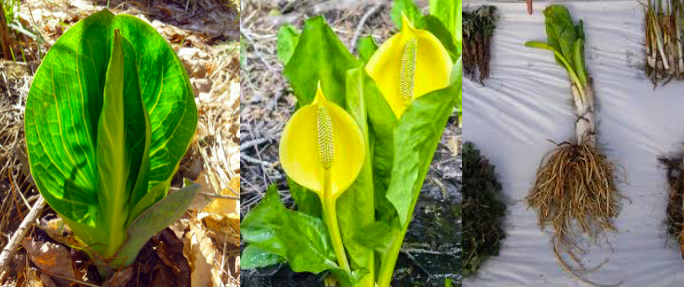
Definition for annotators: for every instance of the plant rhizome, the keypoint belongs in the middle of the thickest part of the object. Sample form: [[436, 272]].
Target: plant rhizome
[[478, 28], [664, 60], [675, 180]]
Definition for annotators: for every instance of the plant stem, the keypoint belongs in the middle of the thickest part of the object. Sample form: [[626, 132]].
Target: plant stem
[[330, 214], [389, 259]]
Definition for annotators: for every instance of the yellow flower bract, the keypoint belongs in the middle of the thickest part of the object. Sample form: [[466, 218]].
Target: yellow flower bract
[[410, 53], [305, 149]]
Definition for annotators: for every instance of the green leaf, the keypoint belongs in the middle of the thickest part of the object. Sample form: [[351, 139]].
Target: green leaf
[[307, 201], [300, 238], [366, 48], [168, 97], [254, 257], [382, 123], [319, 56], [356, 207], [415, 141], [113, 158], [560, 30], [408, 8], [287, 42], [457, 80], [432, 24], [449, 14], [378, 236], [154, 219], [62, 112]]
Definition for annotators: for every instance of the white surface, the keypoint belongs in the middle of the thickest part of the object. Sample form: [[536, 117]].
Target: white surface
[[526, 102]]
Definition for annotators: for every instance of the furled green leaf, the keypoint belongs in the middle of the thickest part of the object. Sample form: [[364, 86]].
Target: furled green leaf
[[288, 36], [367, 48], [432, 24], [415, 141], [449, 14], [255, 257], [378, 236], [356, 207], [319, 56], [154, 219], [408, 8], [113, 156]]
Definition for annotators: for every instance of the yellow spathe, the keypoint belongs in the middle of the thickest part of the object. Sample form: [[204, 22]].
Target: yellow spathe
[[317, 133], [409, 65]]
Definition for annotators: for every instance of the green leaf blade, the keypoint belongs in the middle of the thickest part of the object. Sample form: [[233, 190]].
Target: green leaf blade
[[415, 141], [288, 36], [168, 97], [62, 112], [319, 56]]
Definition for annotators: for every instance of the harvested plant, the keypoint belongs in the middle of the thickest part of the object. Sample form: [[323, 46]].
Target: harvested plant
[[478, 29], [664, 47], [674, 168], [483, 210], [575, 184]]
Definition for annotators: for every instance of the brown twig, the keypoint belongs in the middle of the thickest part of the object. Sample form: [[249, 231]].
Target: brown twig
[[19, 235]]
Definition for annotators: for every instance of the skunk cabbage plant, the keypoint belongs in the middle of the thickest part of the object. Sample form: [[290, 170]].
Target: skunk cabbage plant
[[109, 115], [358, 147]]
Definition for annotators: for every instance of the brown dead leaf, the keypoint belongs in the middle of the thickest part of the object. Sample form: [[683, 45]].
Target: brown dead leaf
[[200, 252], [50, 258], [224, 205], [120, 278], [163, 277], [32, 279], [222, 216]]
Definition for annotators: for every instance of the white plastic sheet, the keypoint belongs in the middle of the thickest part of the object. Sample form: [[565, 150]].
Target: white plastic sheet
[[526, 102]]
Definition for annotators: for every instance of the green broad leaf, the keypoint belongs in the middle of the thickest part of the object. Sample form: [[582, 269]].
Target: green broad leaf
[[288, 36], [356, 207], [168, 97], [113, 156], [381, 125], [319, 56], [448, 12], [155, 219], [366, 47], [560, 31], [415, 141], [301, 239], [254, 257], [62, 112], [307, 201], [435, 26], [377, 236], [408, 8]]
